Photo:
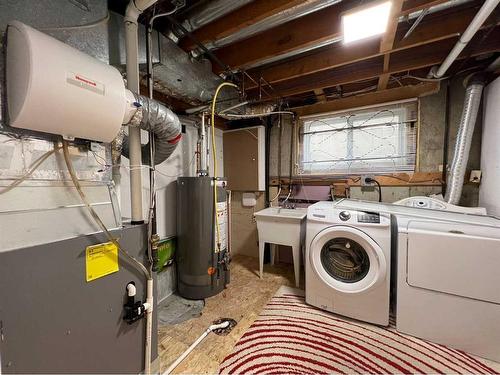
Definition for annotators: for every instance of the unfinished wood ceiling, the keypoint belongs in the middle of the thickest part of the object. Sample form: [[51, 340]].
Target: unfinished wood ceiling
[[305, 61], [293, 49]]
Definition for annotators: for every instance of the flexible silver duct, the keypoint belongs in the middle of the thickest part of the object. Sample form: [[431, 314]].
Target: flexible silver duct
[[165, 125], [458, 166]]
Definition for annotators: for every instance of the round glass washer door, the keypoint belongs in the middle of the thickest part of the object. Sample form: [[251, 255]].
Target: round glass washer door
[[347, 259]]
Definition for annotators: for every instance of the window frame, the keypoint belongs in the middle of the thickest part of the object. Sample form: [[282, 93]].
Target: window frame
[[300, 124]]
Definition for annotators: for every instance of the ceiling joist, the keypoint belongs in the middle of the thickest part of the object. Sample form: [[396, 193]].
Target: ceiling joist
[[387, 42], [248, 15], [373, 98], [401, 61], [319, 27], [339, 54]]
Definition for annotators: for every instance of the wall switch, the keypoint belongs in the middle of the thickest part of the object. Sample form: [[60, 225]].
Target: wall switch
[[475, 176]]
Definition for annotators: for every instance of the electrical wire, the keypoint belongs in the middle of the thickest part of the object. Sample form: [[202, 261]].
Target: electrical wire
[[253, 115], [94, 214], [28, 173], [214, 154], [372, 180]]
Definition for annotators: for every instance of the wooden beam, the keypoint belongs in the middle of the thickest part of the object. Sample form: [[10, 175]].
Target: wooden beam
[[245, 16], [379, 97], [394, 179], [302, 32], [307, 31], [383, 80], [387, 42], [339, 54], [320, 95], [402, 61]]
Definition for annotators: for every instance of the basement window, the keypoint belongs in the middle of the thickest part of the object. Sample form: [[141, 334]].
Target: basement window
[[371, 140]]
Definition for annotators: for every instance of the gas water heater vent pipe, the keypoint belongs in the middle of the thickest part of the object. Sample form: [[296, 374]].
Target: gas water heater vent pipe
[[455, 180], [134, 9]]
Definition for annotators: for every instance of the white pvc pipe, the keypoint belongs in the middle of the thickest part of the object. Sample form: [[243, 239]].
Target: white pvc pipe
[[194, 345], [149, 305], [134, 9], [481, 16]]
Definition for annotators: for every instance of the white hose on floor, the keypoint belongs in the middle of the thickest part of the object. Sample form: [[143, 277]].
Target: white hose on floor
[[212, 328]]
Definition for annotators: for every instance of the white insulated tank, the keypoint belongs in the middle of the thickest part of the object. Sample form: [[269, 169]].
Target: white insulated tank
[[54, 88]]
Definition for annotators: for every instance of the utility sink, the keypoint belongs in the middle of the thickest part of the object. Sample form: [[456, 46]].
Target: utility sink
[[279, 212], [282, 226]]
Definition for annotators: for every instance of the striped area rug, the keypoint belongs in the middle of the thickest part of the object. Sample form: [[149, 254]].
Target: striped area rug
[[291, 337]]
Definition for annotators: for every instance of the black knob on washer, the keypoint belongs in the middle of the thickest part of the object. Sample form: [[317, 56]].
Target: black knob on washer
[[344, 215]]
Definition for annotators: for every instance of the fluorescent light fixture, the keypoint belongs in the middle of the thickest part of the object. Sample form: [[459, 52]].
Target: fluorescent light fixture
[[365, 22]]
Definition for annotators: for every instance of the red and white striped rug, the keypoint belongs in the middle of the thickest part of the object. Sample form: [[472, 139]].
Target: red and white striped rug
[[291, 337]]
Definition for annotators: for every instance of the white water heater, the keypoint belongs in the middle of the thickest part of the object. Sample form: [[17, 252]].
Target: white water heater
[[54, 88]]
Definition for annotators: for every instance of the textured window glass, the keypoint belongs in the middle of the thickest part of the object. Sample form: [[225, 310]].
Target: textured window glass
[[375, 140]]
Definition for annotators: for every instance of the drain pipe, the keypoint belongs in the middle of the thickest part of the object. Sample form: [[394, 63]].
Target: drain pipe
[[481, 16], [455, 180], [221, 327], [134, 9]]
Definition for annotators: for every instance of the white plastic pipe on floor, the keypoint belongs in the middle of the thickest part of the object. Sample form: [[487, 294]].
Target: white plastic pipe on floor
[[481, 16], [212, 328]]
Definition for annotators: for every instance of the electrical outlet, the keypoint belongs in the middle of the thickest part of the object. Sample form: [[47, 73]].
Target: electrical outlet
[[366, 177], [475, 176]]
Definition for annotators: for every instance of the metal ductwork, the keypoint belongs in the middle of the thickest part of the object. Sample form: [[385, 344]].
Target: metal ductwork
[[277, 19], [162, 122], [265, 25], [207, 12], [456, 172], [174, 72]]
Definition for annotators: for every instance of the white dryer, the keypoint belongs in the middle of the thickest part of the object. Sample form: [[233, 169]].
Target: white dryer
[[448, 281], [448, 276], [348, 258]]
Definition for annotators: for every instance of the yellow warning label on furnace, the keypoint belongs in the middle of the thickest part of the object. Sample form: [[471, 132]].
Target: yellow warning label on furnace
[[101, 260]]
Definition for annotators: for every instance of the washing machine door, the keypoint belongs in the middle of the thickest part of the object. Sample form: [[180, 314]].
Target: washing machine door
[[347, 259]]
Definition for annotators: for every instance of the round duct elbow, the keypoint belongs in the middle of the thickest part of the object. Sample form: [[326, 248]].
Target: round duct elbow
[[163, 123]]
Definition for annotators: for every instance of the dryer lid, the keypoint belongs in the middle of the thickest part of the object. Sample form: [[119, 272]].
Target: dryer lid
[[462, 260]]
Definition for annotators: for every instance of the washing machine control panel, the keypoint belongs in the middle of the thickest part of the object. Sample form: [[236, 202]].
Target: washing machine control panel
[[369, 217]]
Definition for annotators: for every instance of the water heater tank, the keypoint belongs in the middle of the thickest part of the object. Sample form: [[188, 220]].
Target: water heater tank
[[54, 88]]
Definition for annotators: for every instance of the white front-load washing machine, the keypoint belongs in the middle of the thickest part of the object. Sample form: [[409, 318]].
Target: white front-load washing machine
[[348, 261]]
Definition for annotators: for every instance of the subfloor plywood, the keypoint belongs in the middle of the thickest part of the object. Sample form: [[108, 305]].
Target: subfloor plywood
[[242, 301]]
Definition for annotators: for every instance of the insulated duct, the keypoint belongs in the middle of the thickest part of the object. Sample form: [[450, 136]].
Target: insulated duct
[[456, 172], [207, 12], [274, 20], [162, 122]]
